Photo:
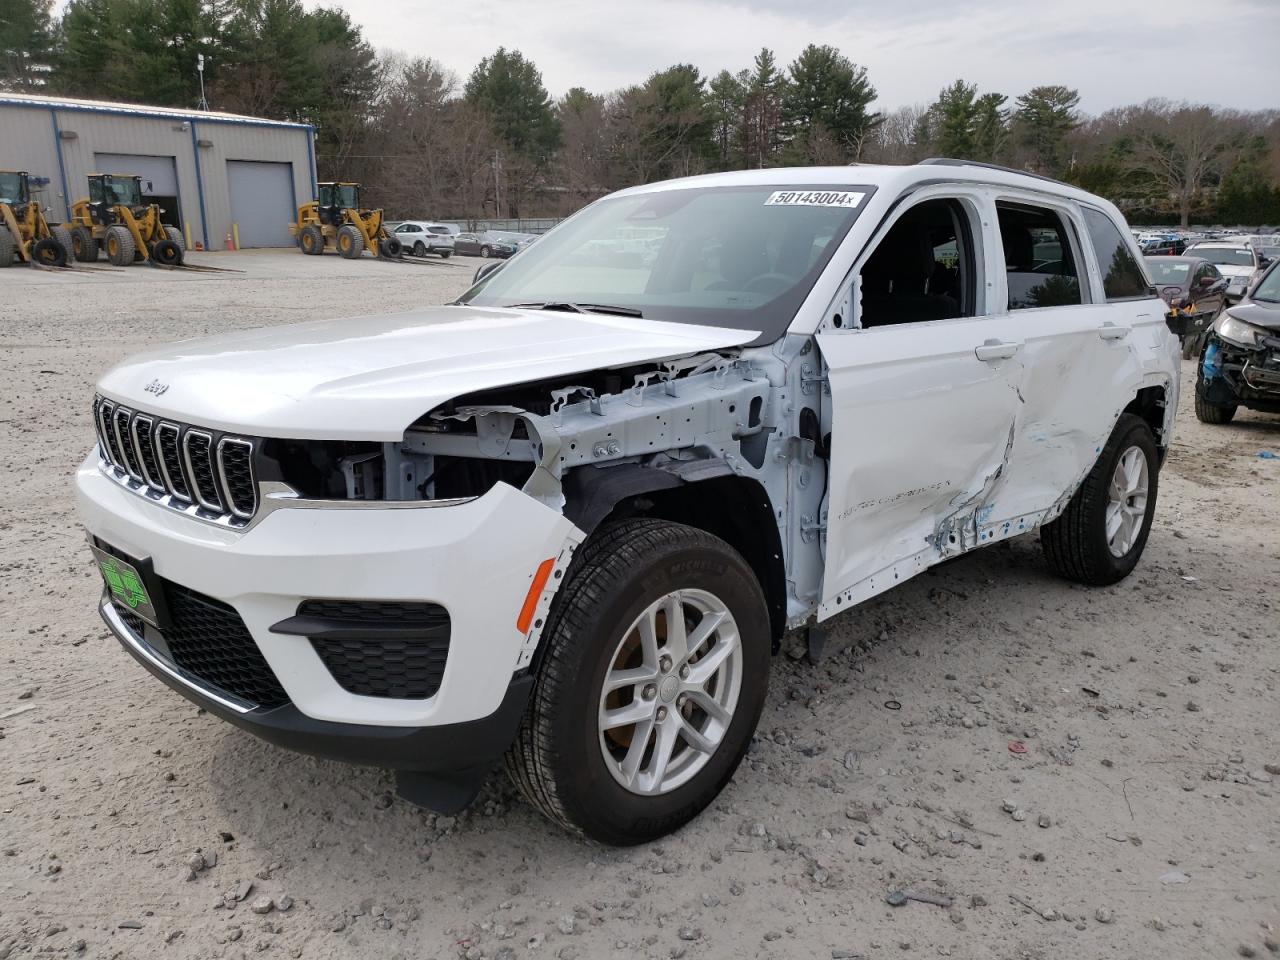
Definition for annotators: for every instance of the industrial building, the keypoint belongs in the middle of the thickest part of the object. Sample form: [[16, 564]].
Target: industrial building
[[215, 174]]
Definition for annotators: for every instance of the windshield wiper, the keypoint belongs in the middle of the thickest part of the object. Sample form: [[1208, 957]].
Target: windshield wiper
[[580, 308]]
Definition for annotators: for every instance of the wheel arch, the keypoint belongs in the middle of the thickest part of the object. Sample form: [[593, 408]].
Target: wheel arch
[[705, 494], [1151, 404]]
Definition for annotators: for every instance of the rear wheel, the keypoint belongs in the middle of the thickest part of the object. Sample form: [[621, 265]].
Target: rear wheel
[[653, 674], [84, 245], [175, 235], [120, 246], [1101, 534], [63, 236], [350, 241], [48, 253], [7, 247], [485, 252], [311, 241]]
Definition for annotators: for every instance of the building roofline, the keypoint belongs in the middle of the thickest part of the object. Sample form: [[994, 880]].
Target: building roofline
[[70, 104]]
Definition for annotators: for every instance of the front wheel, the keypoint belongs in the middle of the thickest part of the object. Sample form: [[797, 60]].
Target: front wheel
[[652, 678], [419, 249], [1216, 414], [1101, 534], [486, 252]]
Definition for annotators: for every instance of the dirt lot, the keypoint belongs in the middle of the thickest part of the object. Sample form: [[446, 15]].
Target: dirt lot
[[1142, 821]]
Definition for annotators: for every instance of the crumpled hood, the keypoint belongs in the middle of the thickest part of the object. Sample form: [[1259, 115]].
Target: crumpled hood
[[1264, 315], [368, 378]]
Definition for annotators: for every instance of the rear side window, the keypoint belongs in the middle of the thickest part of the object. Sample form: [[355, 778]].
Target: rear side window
[[1122, 278], [1038, 258]]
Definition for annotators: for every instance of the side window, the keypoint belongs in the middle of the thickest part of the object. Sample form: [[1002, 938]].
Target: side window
[[1038, 258], [1122, 277], [405, 228], [922, 269]]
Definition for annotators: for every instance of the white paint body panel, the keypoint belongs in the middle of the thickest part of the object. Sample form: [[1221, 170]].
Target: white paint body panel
[[476, 559], [368, 378], [933, 451]]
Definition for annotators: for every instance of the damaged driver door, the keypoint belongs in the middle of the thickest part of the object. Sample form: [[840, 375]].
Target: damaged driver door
[[923, 412]]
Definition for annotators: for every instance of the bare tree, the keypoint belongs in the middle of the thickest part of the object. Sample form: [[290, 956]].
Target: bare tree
[[1181, 146]]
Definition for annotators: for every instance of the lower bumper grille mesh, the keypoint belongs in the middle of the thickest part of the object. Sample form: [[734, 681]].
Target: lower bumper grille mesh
[[207, 638], [364, 660]]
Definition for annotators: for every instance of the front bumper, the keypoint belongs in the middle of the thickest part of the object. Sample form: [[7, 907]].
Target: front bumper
[[448, 748], [1231, 375], [476, 559]]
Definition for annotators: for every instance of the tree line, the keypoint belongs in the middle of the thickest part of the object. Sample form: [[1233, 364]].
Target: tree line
[[426, 142]]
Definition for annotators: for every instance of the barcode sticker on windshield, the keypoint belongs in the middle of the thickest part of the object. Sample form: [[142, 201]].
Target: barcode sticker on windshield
[[814, 198]]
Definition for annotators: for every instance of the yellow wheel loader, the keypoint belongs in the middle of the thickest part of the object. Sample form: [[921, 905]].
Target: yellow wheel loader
[[113, 218], [25, 235], [336, 222]]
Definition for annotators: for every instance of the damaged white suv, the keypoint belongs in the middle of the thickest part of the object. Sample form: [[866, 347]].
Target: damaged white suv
[[567, 518]]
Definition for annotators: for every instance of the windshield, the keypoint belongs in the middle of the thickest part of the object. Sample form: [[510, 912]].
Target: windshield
[[1224, 256], [739, 257], [125, 192], [1165, 271], [11, 188], [1269, 289]]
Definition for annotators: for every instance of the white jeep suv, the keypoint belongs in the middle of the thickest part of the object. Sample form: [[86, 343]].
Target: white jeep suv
[[567, 519]]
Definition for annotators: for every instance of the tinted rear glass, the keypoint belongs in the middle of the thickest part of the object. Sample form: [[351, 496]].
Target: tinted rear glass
[[1122, 276]]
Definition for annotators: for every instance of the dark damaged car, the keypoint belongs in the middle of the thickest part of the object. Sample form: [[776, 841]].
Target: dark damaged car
[[1240, 365]]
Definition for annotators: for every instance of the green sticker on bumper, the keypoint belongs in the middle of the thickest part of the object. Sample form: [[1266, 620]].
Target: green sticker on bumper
[[124, 583]]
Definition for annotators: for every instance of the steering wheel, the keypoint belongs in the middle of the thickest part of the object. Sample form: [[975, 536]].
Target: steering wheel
[[768, 283]]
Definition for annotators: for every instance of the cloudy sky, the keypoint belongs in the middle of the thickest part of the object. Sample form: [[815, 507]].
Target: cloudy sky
[[1113, 51]]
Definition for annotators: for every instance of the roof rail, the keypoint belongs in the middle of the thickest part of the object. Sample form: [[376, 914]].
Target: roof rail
[[952, 162]]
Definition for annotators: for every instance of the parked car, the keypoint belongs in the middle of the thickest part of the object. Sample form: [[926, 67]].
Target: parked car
[[1190, 286], [1164, 247], [485, 244], [421, 238], [567, 519], [1240, 365], [1239, 263]]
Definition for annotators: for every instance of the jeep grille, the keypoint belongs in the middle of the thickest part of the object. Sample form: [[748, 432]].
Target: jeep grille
[[179, 465]]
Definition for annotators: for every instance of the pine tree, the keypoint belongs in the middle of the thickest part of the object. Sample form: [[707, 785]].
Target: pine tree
[[26, 44]]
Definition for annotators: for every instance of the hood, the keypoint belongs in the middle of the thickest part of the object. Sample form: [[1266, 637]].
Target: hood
[[1265, 315], [1231, 270], [368, 378]]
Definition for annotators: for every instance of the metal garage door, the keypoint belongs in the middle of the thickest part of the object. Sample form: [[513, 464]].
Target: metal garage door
[[159, 179], [262, 202]]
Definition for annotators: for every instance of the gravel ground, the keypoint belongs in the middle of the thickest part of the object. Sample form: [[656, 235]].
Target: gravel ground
[[1143, 820]]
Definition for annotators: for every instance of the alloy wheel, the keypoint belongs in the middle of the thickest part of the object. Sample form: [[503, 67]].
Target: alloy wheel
[[670, 692], [1127, 501]]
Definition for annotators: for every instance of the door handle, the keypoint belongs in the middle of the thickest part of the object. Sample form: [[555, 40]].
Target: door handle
[[996, 350], [1109, 331]]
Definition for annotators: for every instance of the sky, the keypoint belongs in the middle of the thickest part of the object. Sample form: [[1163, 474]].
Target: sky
[[1115, 52]]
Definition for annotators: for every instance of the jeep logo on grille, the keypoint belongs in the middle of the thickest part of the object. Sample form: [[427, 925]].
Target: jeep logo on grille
[[156, 387]]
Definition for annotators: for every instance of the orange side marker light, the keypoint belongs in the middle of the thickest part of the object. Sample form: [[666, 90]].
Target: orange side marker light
[[535, 591]]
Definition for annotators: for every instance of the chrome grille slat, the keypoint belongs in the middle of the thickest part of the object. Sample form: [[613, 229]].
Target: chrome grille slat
[[120, 423], [168, 438], [104, 450], [142, 431], [202, 473], [106, 422], [235, 474], [197, 457]]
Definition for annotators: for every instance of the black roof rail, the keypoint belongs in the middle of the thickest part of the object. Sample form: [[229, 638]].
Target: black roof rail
[[952, 162]]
